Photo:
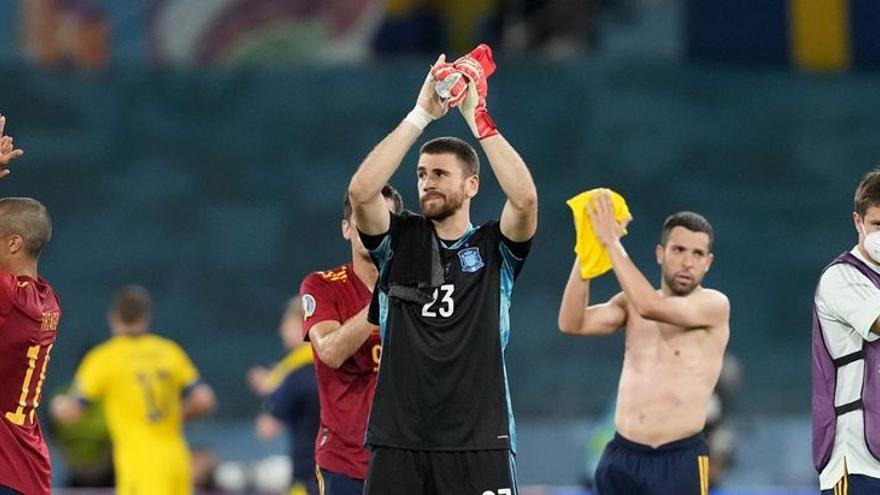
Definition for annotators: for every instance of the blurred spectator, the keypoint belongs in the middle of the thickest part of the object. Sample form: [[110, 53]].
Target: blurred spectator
[[264, 32], [291, 393], [557, 29], [204, 468], [719, 432], [85, 448], [59, 33], [77, 33], [409, 27], [468, 23]]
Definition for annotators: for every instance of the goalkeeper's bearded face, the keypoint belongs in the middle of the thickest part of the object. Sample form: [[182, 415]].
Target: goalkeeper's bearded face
[[443, 187]]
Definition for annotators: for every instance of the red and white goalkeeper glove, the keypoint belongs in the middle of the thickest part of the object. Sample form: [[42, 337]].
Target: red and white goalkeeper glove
[[474, 111], [451, 85], [452, 79], [477, 66]]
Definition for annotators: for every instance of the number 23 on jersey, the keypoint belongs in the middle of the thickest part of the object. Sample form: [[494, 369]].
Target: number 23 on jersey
[[442, 305]]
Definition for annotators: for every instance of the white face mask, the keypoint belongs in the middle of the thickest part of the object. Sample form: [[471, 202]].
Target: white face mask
[[872, 245]]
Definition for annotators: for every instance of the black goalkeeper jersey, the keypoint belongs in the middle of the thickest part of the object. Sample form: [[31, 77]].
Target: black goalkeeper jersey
[[442, 381]]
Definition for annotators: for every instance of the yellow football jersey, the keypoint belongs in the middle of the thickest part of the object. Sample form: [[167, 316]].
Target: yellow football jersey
[[141, 381]]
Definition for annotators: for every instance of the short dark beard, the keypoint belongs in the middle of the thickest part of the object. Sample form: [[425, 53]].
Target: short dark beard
[[440, 215], [447, 210], [674, 286]]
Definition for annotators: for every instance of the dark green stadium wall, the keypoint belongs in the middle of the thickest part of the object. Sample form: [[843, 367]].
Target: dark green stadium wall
[[220, 191]]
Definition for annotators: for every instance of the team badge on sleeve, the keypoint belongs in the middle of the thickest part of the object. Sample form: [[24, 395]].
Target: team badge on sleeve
[[470, 259], [309, 305]]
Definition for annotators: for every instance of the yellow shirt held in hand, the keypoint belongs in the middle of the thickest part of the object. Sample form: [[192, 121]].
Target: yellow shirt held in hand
[[594, 259]]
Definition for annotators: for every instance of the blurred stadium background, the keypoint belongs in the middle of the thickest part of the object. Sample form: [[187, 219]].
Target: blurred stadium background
[[201, 148]]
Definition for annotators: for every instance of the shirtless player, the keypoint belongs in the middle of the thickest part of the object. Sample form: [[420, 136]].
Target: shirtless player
[[675, 340]]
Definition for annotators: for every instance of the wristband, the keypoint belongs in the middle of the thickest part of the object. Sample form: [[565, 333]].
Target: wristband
[[419, 117]]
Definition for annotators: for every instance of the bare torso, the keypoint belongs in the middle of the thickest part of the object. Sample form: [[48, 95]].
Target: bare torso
[[668, 376]]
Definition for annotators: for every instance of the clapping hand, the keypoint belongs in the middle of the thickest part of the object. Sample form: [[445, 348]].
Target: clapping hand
[[7, 150]]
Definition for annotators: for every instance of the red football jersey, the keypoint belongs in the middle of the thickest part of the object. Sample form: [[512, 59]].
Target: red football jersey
[[346, 393], [29, 315]]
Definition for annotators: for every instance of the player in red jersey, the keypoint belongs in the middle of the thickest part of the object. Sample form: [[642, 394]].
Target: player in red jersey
[[335, 304], [29, 315]]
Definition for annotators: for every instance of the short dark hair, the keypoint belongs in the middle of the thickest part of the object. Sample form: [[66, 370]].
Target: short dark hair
[[388, 192], [132, 303], [689, 220], [868, 192], [465, 153], [28, 218]]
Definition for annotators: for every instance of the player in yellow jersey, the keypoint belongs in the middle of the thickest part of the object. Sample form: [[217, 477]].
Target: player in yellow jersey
[[148, 387]]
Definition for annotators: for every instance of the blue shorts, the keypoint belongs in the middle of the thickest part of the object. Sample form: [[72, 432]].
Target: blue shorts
[[330, 483], [855, 484], [675, 468]]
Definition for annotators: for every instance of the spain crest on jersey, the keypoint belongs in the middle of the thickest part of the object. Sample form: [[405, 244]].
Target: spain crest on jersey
[[470, 258]]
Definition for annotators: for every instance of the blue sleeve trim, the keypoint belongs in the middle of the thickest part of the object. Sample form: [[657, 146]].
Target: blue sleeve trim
[[383, 315], [380, 254], [511, 263]]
